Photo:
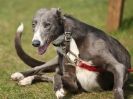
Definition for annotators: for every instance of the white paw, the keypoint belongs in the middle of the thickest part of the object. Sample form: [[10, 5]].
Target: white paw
[[26, 81], [17, 76], [60, 93]]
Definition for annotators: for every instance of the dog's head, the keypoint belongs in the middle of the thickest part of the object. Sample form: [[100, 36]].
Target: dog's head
[[47, 26]]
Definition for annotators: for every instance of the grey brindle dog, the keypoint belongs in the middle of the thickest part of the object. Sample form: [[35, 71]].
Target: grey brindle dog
[[93, 45]]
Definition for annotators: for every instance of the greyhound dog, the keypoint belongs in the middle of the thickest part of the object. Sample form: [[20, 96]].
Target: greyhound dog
[[90, 44]]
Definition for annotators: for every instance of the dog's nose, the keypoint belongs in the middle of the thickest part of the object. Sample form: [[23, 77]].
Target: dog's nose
[[36, 43]]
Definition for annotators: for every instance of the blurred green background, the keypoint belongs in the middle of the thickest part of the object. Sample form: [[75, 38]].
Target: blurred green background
[[12, 12]]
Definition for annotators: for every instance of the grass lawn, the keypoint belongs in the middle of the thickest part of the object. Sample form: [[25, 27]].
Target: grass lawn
[[12, 12]]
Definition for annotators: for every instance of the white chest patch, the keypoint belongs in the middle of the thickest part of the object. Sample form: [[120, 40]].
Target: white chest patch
[[87, 79], [74, 49]]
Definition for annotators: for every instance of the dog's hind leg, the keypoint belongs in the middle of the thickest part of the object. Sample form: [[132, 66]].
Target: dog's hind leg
[[35, 78], [43, 78], [119, 76], [119, 72], [50, 66], [115, 63]]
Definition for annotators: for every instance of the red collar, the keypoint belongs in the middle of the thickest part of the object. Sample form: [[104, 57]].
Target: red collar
[[130, 70], [88, 67]]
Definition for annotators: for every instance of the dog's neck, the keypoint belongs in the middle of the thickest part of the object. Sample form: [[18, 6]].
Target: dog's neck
[[72, 25]]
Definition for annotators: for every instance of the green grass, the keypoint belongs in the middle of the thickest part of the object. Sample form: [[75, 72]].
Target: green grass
[[12, 12]]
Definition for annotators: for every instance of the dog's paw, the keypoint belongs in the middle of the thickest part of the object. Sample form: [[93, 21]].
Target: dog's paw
[[17, 76], [60, 93], [26, 81]]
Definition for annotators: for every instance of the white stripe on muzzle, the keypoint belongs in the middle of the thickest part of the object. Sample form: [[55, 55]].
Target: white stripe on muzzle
[[37, 36]]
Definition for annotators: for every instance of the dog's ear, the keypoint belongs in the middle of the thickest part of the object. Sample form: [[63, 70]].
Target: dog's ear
[[59, 12], [56, 12]]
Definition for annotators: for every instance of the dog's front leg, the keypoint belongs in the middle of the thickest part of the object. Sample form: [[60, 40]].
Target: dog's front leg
[[58, 86], [47, 67]]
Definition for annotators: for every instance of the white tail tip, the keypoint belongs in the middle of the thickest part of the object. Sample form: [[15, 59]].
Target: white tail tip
[[20, 28]]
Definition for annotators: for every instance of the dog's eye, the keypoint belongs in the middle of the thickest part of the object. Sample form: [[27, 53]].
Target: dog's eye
[[34, 24], [46, 24]]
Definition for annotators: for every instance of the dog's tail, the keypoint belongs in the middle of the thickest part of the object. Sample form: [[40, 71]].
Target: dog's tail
[[20, 52]]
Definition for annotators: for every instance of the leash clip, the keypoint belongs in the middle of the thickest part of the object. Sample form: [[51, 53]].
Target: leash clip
[[67, 36]]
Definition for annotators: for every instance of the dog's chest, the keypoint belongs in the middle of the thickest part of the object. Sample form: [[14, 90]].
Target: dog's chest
[[87, 79]]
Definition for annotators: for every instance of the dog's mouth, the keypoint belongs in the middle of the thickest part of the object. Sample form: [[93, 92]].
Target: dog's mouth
[[42, 49]]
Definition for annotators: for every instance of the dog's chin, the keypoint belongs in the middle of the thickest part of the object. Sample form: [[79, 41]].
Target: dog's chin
[[42, 49]]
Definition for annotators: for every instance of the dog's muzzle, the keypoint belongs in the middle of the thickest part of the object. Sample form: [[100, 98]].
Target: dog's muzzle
[[36, 43]]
